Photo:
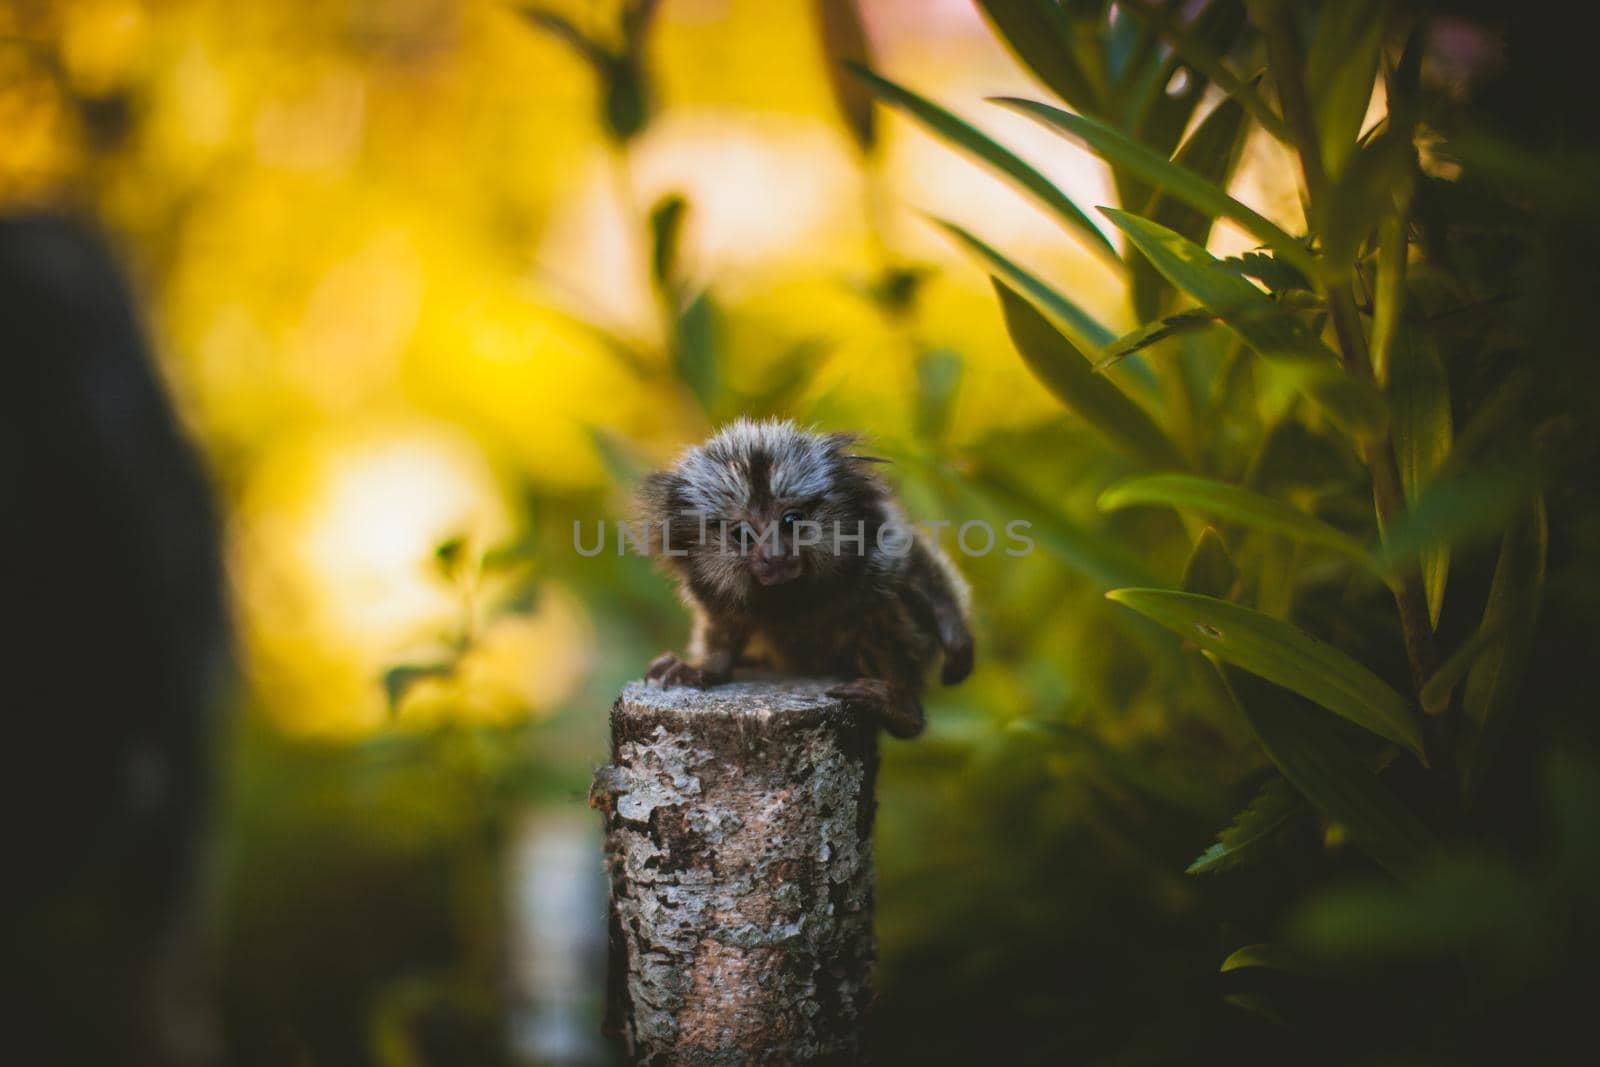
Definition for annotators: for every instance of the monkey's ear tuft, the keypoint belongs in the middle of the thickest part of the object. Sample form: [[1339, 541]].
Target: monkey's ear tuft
[[661, 493], [839, 440]]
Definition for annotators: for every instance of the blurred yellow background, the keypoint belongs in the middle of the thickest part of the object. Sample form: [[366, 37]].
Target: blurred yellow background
[[388, 248]]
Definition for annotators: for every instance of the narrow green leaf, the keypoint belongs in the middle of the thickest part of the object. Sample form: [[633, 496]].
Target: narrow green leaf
[[1364, 194], [1040, 35], [1211, 152], [1210, 570], [1160, 122], [1284, 655], [1389, 291], [1282, 339], [1341, 66], [1081, 328], [449, 556], [1105, 562], [1273, 273], [1233, 504], [565, 30], [624, 467], [1435, 695], [939, 373], [1208, 61], [1066, 373], [1456, 511], [986, 150], [1336, 782], [695, 349], [1136, 340], [1156, 107], [1512, 612], [1245, 837], [844, 43], [398, 681], [1119, 150], [666, 230], [1419, 405], [1272, 958]]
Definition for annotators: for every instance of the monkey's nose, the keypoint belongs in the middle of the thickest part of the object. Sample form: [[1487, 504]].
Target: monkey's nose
[[774, 570]]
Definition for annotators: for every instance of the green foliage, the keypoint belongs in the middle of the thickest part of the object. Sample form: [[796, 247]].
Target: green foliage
[[1353, 415], [1234, 505], [947, 126], [1284, 655], [1069, 376], [1251, 831]]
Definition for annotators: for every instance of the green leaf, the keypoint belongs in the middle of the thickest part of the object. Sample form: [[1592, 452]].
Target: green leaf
[[1272, 958], [627, 97], [1245, 837], [1210, 151], [1455, 511], [1435, 695], [1066, 373], [1119, 150], [1233, 504], [695, 349], [1161, 111], [1182, 322], [1389, 291], [1282, 339], [1210, 569], [622, 464], [1080, 327], [666, 229], [1040, 34], [1512, 612], [449, 555], [939, 373], [1208, 61], [844, 43], [1362, 196], [1105, 562], [1419, 405], [1455, 909], [1336, 782], [985, 149], [1284, 655], [565, 30], [1340, 67], [1273, 273], [398, 681]]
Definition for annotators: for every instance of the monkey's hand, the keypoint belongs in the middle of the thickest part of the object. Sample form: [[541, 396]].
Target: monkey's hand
[[668, 671], [897, 709], [958, 654]]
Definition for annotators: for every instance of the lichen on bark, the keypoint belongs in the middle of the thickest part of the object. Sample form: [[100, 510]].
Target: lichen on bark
[[739, 846]]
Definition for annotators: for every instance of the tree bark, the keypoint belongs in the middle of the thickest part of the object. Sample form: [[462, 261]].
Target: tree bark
[[739, 844]]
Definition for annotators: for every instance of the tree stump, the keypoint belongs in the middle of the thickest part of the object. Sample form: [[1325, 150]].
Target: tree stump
[[739, 845]]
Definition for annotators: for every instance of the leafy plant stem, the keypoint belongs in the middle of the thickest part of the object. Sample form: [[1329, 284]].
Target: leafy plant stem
[[1287, 62]]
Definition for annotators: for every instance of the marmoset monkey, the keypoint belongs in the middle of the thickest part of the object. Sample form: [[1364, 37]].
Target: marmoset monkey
[[788, 544]]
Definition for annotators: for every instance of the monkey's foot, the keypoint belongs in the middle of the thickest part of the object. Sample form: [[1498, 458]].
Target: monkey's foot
[[899, 712], [668, 671]]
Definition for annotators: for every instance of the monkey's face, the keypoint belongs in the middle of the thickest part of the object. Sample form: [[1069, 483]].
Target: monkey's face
[[763, 505]]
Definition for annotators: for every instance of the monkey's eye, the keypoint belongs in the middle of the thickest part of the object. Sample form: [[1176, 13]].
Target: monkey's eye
[[791, 517], [745, 533]]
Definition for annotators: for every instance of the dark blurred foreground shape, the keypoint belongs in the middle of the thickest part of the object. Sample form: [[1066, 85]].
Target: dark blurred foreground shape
[[115, 653]]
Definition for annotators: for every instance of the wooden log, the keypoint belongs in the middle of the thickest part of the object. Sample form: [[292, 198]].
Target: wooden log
[[739, 846]]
